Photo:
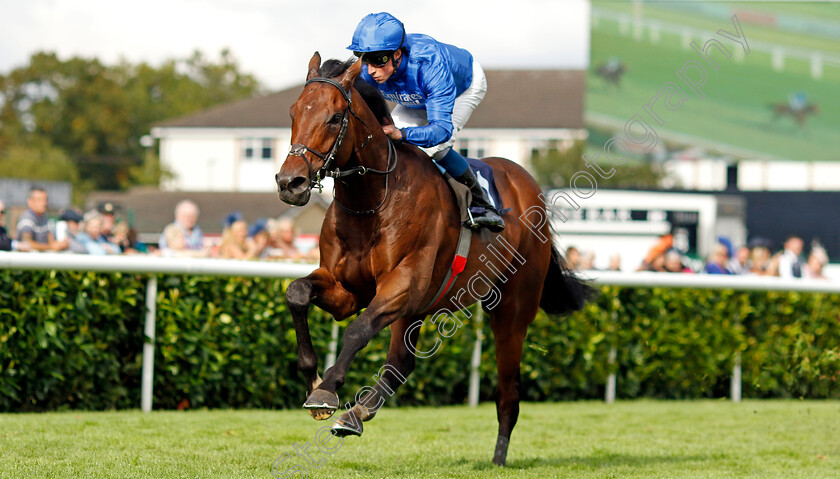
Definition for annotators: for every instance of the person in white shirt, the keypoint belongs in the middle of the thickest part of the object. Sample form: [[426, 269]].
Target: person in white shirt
[[790, 265]]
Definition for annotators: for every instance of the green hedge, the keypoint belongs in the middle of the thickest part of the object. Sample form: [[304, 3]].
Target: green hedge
[[74, 340]]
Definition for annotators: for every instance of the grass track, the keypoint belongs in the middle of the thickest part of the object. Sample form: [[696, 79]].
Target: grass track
[[644, 439], [735, 110]]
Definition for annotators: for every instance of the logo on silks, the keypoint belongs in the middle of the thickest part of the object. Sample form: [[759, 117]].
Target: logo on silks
[[405, 98]]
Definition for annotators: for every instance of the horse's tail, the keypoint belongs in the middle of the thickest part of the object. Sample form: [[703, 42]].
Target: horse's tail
[[563, 292]]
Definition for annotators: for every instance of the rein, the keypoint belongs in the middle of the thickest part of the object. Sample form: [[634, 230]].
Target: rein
[[300, 150]]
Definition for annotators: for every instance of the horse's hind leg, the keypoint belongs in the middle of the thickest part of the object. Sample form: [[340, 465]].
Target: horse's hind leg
[[510, 323]]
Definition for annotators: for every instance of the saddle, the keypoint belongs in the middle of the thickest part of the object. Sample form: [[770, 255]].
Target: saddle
[[484, 174]]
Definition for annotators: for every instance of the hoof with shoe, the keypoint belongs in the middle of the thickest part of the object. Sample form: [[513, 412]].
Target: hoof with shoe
[[347, 425], [321, 404]]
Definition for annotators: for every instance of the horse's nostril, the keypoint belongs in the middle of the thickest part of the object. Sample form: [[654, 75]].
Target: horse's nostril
[[294, 184]]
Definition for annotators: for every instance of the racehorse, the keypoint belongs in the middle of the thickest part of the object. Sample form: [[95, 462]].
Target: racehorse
[[799, 115], [389, 238], [611, 74]]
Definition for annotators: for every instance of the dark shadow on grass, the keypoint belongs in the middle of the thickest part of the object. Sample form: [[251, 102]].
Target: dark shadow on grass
[[592, 462]]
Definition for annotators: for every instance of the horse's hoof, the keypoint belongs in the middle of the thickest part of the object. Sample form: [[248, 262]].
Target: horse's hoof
[[344, 428], [321, 414], [321, 404]]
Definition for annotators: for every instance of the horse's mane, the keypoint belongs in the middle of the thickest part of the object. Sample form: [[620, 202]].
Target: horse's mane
[[372, 96]]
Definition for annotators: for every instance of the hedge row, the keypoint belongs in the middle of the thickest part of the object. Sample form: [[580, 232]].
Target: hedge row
[[74, 340]]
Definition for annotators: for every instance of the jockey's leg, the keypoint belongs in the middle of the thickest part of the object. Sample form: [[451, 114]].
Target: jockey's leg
[[486, 214]]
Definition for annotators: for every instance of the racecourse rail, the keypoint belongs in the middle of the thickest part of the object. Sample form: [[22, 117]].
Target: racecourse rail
[[154, 266]]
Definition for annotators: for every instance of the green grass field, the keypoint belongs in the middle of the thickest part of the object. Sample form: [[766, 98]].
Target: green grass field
[[644, 439], [735, 110]]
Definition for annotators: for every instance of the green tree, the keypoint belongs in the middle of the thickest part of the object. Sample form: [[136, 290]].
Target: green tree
[[556, 167], [97, 113]]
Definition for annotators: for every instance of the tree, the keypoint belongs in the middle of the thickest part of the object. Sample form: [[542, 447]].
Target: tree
[[556, 167], [97, 114]]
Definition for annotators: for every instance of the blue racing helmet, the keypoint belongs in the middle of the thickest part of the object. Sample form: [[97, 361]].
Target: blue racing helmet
[[378, 32]]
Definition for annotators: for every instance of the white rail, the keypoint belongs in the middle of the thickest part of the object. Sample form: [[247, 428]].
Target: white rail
[[155, 266]]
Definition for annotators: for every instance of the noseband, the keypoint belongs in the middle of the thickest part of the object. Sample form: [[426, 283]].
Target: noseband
[[300, 150]]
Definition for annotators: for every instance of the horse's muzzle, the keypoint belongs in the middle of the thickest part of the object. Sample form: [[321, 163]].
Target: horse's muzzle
[[293, 190]]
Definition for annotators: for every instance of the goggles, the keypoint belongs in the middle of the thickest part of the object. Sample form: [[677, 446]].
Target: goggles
[[377, 59]]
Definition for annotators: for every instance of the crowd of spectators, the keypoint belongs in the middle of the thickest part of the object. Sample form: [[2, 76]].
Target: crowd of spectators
[[99, 232], [755, 258]]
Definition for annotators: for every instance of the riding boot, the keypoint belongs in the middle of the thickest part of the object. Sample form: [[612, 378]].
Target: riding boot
[[490, 217]]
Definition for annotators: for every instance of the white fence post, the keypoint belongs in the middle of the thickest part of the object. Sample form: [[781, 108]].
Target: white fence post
[[735, 385], [816, 65], [476, 357], [778, 61], [609, 395], [148, 373], [332, 348]]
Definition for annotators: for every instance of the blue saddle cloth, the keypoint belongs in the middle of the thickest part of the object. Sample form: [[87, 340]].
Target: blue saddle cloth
[[484, 175]]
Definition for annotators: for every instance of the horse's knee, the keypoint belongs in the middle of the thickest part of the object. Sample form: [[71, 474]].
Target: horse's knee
[[298, 293], [357, 333]]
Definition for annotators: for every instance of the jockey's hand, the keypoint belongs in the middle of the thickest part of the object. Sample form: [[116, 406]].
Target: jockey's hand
[[393, 132]]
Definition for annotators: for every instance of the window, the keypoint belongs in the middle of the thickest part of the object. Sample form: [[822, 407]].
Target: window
[[266, 149], [253, 148]]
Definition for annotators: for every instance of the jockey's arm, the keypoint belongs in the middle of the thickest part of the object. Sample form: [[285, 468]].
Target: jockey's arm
[[439, 87]]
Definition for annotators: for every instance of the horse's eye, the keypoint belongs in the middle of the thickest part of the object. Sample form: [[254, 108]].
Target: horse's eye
[[335, 119]]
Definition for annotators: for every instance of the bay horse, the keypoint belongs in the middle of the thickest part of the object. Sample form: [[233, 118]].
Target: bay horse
[[800, 115], [611, 74], [388, 239]]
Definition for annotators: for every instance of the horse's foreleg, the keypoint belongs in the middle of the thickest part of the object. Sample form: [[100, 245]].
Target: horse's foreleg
[[398, 366], [386, 307], [321, 287]]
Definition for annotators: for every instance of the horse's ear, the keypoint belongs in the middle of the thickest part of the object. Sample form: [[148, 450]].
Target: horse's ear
[[314, 66], [350, 75]]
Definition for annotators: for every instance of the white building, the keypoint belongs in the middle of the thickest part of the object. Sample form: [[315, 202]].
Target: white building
[[240, 146]]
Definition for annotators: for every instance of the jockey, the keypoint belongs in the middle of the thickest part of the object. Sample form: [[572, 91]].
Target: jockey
[[436, 88], [798, 101]]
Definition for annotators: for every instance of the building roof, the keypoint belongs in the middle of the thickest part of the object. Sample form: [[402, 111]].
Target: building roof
[[150, 209], [515, 99]]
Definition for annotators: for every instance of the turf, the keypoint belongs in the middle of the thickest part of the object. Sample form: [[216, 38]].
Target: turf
[[645, 439], [735, 111]]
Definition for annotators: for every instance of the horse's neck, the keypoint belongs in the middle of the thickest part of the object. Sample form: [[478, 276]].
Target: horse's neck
[[412, 173]]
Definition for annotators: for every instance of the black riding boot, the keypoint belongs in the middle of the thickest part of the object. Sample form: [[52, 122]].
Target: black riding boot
[[490, 218]]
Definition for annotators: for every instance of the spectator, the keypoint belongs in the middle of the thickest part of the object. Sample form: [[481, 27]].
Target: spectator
[[33, 226], [759, 260], [588, 261], [615, 263], [176, 244], [282, 240], [573, 257], [108, 212], [125, 237], [740, 263], [790, 265], [818, 258], [717, 260], [259, 237], [655, 258], [674, 262], [234, 242], [93, 240], [186, 217], [6, 243], [71, 219]]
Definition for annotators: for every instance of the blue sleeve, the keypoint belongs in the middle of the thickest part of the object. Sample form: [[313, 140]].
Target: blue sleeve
[[439, 87]]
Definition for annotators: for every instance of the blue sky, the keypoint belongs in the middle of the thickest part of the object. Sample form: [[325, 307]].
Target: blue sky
[[275, 39]]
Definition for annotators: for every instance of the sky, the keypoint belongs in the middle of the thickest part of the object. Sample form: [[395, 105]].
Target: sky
[[274, 39]]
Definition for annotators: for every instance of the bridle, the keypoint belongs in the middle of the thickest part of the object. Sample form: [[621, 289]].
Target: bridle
[[315, 182]]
